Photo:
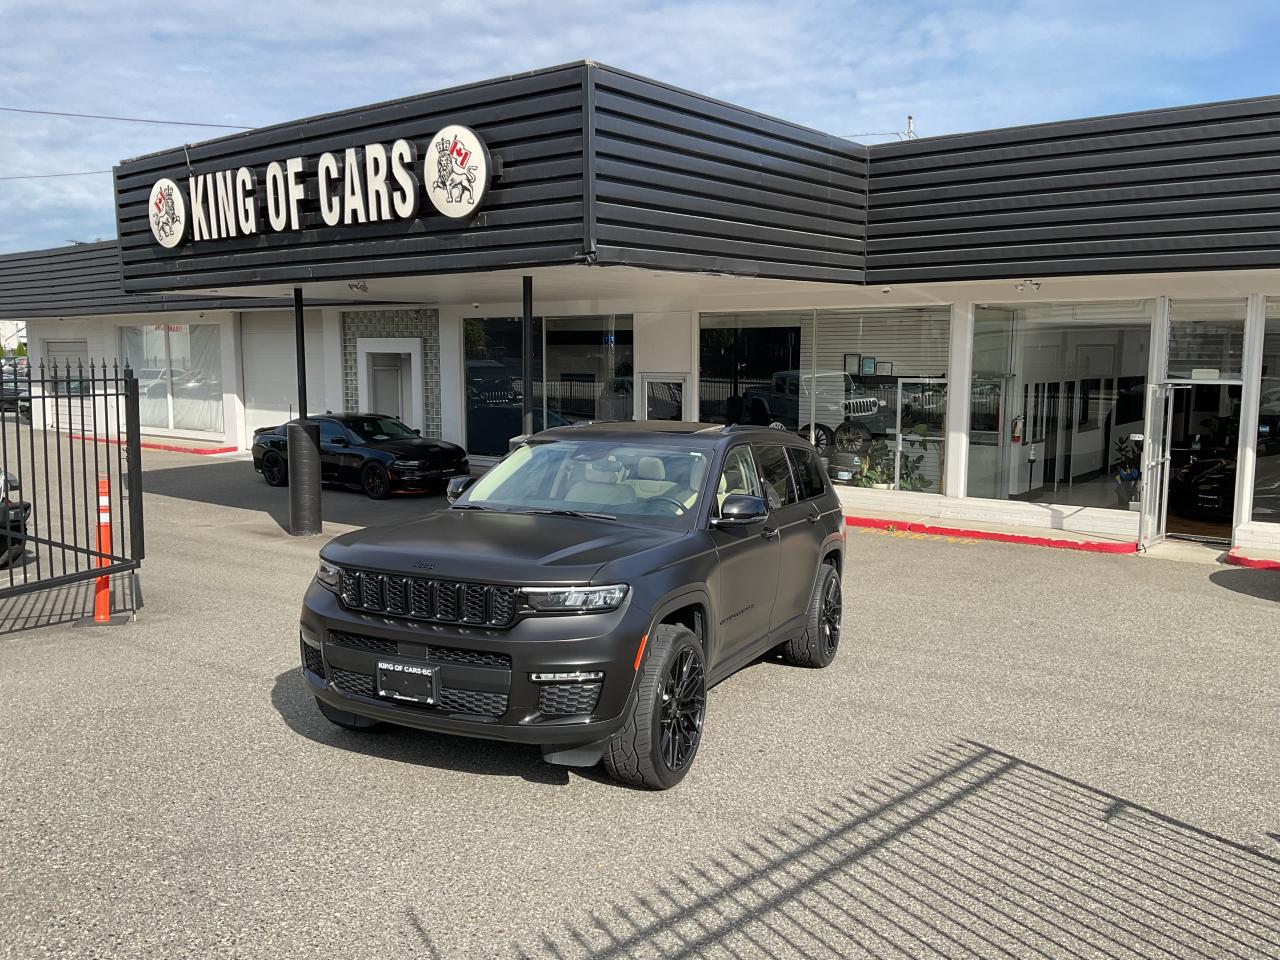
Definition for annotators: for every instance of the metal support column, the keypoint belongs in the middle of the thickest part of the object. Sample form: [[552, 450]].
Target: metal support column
[[526, 331], [303, 440]]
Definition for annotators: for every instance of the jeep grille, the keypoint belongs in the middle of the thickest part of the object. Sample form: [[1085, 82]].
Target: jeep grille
[[442, 601]]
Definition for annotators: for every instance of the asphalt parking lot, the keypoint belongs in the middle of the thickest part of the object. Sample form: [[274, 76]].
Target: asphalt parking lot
[[1019, 752]]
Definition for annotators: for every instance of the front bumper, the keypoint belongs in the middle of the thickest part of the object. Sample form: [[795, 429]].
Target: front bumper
[[419, 478], [483, 673]]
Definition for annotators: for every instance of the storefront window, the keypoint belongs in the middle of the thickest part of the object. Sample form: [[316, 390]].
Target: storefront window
[[179, 371], [869, 386], [1206, 339], [1266, 483], [582, 370], [1058, 391]]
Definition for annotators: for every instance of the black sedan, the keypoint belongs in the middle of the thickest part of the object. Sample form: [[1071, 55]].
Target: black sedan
[[13, 522], [364, 451]]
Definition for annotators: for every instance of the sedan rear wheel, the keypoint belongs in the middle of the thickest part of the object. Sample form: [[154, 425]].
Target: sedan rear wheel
[[375, 481]]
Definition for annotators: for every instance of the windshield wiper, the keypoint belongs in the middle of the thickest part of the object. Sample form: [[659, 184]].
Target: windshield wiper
[[468, 506], [582, 514]]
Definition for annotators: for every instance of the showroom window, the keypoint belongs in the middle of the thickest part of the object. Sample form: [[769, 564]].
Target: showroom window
[[1058, 390], [582, 370], [868, 386], [179, 371], [1266, 483]]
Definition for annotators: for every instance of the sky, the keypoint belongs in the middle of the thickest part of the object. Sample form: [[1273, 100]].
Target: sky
[[849, 68]]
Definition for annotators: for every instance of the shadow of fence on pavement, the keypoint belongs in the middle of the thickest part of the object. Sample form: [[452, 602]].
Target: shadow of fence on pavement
[[969, 852], [62, 605]]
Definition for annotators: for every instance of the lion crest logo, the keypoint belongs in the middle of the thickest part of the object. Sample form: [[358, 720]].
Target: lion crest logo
[[461, 171], [167, 213]]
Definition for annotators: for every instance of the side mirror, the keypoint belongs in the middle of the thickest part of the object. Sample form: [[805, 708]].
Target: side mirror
[[10, 481], [740, 510], [417, 431], [458, 486]]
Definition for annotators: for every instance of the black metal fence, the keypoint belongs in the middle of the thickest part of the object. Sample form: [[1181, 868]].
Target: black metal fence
[[66, 430]]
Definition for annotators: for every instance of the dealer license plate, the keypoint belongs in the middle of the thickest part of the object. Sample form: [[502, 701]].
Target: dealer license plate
[[410, 682]]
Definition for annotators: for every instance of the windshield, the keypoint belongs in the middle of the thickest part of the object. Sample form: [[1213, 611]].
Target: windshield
[[624, 481], [373, 429]]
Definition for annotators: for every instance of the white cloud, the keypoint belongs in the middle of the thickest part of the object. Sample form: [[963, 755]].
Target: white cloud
[[844, 67]]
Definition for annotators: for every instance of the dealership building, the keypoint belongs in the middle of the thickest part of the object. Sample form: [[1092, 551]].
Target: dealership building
[[1070, 325]]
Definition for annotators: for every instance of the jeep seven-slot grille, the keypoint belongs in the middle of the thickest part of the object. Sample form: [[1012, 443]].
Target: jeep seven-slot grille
[[445, 601]]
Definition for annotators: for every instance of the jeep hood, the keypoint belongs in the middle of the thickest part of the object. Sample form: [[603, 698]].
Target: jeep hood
[[496, 547]]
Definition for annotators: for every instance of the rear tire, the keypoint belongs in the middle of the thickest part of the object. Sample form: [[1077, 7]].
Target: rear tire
[[660, 739], [274, 469], [822, 437], [348, 720], [817, 646]]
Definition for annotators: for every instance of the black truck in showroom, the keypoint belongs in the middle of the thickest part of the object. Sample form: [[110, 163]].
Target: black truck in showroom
[[584, 594]]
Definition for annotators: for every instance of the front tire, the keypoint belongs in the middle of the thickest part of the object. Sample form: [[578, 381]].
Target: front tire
[[375, 481], [817, 646], [660, 739], [274, 469]]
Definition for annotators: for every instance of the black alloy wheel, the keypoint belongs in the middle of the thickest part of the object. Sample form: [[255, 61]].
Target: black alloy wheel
[[817, 645], [830, 616], [274, 470], [822, 437], [656, 746], [375, 481], [684, 701]]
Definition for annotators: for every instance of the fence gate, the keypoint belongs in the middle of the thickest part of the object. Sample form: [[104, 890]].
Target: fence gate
[[66, 428]]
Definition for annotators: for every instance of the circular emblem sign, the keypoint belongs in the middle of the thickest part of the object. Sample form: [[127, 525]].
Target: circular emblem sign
[[167, 213], [457, 171]]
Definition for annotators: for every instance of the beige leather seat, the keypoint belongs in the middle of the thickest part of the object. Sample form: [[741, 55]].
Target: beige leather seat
[[651, 479], [603, 487]]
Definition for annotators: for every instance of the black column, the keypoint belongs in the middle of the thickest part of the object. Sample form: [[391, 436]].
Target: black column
[[527, 333], [303, 440], [300, 337]]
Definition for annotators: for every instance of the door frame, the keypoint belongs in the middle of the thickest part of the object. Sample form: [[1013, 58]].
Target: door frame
[[642, 392], [415, 416]]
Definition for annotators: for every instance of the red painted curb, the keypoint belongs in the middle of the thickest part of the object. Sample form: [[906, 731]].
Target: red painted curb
[[1087, 546], [169, 447], [1234, 556]]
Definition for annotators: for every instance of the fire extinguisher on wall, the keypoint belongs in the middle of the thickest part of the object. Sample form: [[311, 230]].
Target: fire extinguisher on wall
[[1015, 429]]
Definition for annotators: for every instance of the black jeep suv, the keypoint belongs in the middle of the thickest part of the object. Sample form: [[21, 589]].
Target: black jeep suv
[[584, 594]]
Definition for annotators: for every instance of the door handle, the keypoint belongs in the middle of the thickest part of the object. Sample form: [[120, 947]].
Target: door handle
[[769, 532], [814, 517]]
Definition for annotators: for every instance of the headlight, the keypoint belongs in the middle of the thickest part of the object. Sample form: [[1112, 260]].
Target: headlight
[[407, 464], [576, 598], [329, 576]]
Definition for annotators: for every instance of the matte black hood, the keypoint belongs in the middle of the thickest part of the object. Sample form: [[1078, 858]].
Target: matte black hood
[[496, 547], [418, 448]]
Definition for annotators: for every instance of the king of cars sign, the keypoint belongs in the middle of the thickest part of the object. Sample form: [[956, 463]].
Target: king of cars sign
[[368, 184]]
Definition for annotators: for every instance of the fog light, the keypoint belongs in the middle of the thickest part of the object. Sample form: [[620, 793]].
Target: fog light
[[571, 677]]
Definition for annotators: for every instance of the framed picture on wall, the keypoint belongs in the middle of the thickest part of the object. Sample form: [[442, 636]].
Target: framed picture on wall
[[868, 366], [884, 368], [853, 364]]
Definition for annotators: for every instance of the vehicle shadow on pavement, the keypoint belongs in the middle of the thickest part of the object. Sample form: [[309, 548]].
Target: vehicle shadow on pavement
[[297, 706], [1263, 584], [233, 483], [969, 851]]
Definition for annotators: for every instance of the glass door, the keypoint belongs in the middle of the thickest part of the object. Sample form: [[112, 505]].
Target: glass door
[[920, 434], [664, 396], [1154, 493]]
